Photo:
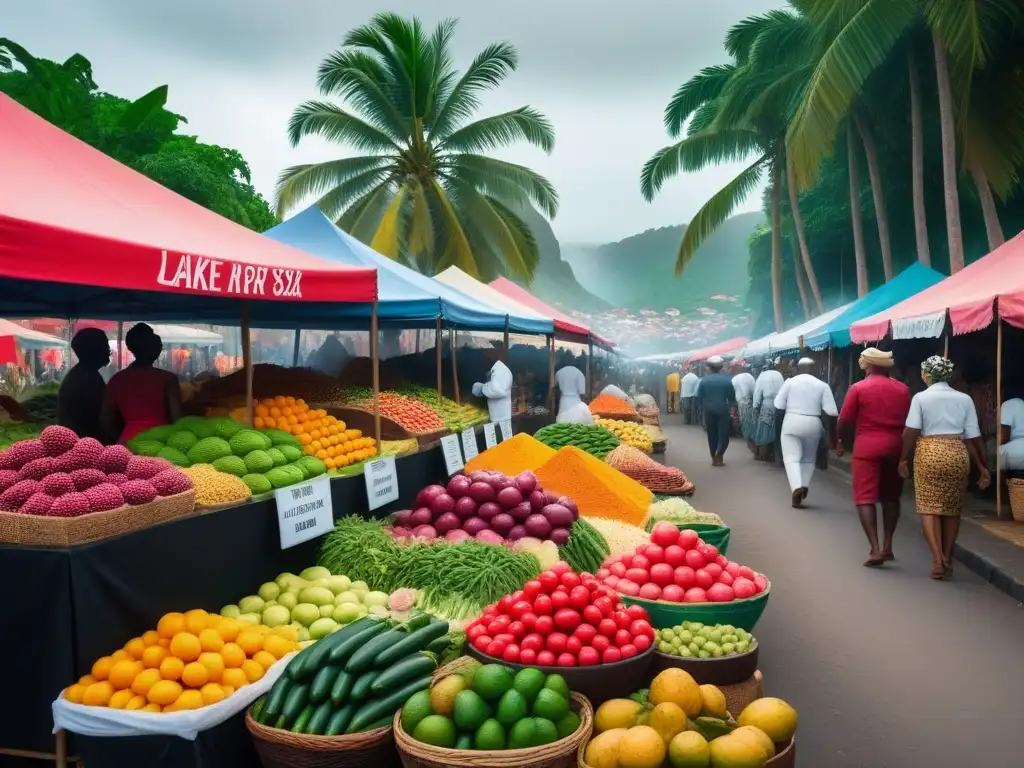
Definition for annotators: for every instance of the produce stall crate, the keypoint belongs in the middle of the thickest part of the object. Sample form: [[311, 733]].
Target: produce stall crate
[[357, 418]]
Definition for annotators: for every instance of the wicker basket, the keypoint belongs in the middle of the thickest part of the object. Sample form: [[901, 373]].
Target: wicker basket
[[1016, 486], [39, 531], [278, 748], [738, 696], [560, 754], [785, 757]]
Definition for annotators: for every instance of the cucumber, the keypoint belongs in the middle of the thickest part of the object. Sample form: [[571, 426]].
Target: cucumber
[[257, 709], [315, 656], [341, 688], [407, 669], [416, 641], [321, 716], [419, 621], [320, 688], [276, 697], [340, 653], [380, 723], [361, 687], [280, 723], [339, 720], [298, 698], [303, 720], [363, 659], [440, 645], [375, 709]]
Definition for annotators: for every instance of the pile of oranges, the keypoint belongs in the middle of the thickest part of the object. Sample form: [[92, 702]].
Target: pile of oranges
[[323, 436], [189, 661]]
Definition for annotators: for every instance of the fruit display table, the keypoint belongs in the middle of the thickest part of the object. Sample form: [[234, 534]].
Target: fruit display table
[[71, 605]]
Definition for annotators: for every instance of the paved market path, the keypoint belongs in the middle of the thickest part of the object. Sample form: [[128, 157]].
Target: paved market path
[[887, 668]]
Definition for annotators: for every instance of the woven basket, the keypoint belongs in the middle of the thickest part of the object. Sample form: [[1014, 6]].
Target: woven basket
[[785, 757], [278, 748], [560, 754], [38, 531], [738, 696], [1016, 486]]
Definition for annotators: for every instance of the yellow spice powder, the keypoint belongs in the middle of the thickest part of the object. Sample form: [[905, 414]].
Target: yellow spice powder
[[515, 455], [598, 489]]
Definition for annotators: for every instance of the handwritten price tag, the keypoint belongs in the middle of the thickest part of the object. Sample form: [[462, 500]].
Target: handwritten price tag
[[304, 511], [452, 454], [381, 482], [490, 435]]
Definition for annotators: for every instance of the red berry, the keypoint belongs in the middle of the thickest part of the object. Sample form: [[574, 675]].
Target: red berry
[[475, 631], [505, 637], [579, 597], [573, 645], [684, 576], [560, 567], [639, 561], [642, 642], [674, 556], [532, 588], [517, 629], [542, 606], [622, 619], [611, 655], [617, 569], [548, 581], [559, 599], [520, 609], [589, 657], [532, 642], [567, 619], [628, 651], [641, 627], [529, 620], [637, 612], [591, 615], [605, 604], [608, 627], [654, 554]]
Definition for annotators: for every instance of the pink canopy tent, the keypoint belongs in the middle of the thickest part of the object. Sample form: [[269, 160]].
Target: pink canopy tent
[[721, 348], [562, 321], [969, 297]]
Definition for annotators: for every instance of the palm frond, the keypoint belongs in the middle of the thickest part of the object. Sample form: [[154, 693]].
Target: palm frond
[[140, 109], [331, 122], [966, 27], [482, 217], [490, 175], [522, 234], [17, 53], [379, 37], [360, 79], [704, 117], [455, 247], [709, 147], [443, 76], [707, 85], [785, 39], [497, 131], [362, 218], [994, 134], [387, 239], [298, 182], [741, 37], [716, 210], [487, 70], [421, 225]]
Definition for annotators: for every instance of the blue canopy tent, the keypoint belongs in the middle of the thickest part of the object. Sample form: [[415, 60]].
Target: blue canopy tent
[[406, 298], [910, 281]]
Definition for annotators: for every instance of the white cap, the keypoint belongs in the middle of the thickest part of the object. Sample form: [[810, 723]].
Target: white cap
[[805, 361], [715, 360]]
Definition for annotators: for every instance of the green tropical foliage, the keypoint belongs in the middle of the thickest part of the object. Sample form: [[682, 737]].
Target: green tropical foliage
[[421, 187]]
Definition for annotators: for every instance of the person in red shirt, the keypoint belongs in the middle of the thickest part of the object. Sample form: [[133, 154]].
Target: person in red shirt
[[876, 408]]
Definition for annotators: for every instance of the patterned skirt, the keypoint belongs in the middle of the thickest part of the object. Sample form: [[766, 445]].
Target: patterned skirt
[[941, 466], [764, 425], [745, 409]]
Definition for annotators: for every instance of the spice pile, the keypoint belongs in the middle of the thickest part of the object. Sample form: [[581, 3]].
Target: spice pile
[[611, 405], [618, 536], [598, 489], [648, 472], [597, 441], [517, 454]]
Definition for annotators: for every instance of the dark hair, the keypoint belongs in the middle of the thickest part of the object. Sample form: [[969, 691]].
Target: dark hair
[[91, 346], [144, 344]]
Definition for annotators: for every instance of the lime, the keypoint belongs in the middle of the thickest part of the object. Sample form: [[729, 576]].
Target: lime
[[489, 736], [435, 730], [470, 710], [465, 741], [550, 705], [523, 734], [529, 682], [546, 730], [511, 707], [568, 725], [557, 684], [416, 708], [491, 681]]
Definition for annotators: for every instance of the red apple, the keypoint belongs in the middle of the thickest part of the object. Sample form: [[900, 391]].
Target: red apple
[[695, 595], [684, 576]]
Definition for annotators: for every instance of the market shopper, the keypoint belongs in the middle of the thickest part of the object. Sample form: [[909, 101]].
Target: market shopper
[[715, 397], [1011, 437], [81, 394], [876, 409], [142, 395], [767, 385], [498, 387], [805, 399], [743, 383], [943, 434], [688, 391], [672, 390], [572, 385]]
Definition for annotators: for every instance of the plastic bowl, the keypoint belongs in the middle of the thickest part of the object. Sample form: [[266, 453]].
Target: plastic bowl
[[740, 613], [726, 670], [617, 680], [715, 535]]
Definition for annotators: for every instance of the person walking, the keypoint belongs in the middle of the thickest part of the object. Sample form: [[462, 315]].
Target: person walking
[[804, 398], [715, 397], [767, 385], [942, 433], [876, 409], [743, 384], [672, 388], [688, 392]]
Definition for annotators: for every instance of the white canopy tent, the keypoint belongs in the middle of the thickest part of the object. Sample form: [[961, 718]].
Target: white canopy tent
[[791, 340]]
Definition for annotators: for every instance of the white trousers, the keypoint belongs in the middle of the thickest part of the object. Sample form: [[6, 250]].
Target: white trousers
[[800, 438]]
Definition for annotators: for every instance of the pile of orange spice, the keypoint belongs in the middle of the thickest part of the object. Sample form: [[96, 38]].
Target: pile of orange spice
[[515, 455], [598, 489], [603, 404]]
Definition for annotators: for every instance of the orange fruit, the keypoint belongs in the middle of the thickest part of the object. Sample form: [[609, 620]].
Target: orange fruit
[[135, 647], [150, 637], [170, 624], [144, 681], [153, 655], [228, 690], [228, 629], [233, 655], [121, 655], [120, 699], [275, 412], [152, 708], [250, 641], [235, 678], [196, 620], [214, 664], [195, 675], [101, 669], [253, 670], [188, 700], [278, 646], [75, 693], [164, 642], [164, 693], [258, 422], [261, 410], [137, 702], [212, 693], [264, 659], [123, 673], [98, 694], [210, 640], [87, 680], [171, 668], [186, 646]]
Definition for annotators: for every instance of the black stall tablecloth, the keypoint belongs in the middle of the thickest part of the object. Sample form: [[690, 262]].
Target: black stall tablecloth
[[70, 606]]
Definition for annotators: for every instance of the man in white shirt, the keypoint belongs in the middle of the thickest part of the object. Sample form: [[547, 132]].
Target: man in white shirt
[[1011, 438], [743, 384], [572, 384], [768, 384], [497, 389], [804, 398], [688, 389]]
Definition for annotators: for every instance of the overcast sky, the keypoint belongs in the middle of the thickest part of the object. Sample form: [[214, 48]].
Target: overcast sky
[[602, 71]]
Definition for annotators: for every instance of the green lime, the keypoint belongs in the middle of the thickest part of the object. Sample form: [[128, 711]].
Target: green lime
[[550, 705], [568, 725], [523, 735], [465, 741], [529, 682], [557, 684], [489, 736], [491, 681], [511, 707], [436, 730], [546, 731], [416, 708], [470, 711]]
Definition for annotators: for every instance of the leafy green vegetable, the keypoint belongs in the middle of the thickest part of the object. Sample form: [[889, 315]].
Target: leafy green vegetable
[[586, 549]]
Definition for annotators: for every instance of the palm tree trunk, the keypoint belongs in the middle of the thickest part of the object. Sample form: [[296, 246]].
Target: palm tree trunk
[[924, 253], [949, 181], [877, 192], [776, 250], [798, 225], [798, 276], [993, 228], [855, 215]]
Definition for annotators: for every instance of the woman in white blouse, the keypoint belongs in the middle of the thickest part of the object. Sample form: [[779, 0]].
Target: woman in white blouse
[[943, 434]]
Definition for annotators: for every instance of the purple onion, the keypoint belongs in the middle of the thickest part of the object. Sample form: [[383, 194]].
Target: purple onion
[[558, 515], [560, 536], [400, 532], [497, 482], [474, 525], [480, 475], [427, 532], [457, 535], [550, 497], [538, 500], [521, 511], [488, 536], [458, 486], [517, 533], [402, 518], [465, 508], [569, 504], [503, 523], [426, 494], [422, 516], [509, 497], [488, 510], [449, 521], [537, 526], [482, 492], [526, 482]]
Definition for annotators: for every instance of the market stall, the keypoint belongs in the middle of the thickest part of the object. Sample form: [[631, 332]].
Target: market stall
[[722, 348], [17, 340], [791, 341]]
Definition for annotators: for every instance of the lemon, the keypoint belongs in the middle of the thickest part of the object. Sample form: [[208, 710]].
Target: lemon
[[773, 716], [714, 702], [689, 750], [641, 747]]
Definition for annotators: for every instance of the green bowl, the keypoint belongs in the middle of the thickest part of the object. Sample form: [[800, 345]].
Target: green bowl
[[715, 535], [740, 613]]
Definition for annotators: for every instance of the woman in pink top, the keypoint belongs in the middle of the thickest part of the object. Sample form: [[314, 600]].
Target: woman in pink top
[[141, 396]]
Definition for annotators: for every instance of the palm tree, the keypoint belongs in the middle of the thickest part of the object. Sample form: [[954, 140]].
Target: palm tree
[[421, 189]]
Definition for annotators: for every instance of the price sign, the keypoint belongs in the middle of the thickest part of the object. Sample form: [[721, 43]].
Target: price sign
[[506, 429], [452, 454], [490, 436], [304, 511], [469, 448], [381, 481]]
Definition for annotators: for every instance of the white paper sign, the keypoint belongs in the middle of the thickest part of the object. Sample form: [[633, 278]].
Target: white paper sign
[[469, 448], [506, 429], [381, 481], [304, 511], [452, 454], [490, 437]]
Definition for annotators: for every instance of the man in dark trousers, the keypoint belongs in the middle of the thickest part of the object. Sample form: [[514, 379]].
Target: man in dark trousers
[[716, 396]]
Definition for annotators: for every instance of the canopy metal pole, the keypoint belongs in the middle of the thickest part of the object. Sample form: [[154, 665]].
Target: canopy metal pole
[[375, 352], [999, 414], [120, 341], [453, 341], [295, 349], [247, 361], [551, 373], [437, 351], [590, 354], [506, 341], [945, 345]]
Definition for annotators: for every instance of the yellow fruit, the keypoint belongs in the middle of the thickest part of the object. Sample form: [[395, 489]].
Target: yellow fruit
[[228, 629], [233, 655], [196, 620], [773, 716], [136, 702], [188, 700], [135, 647], [264, 659], [121, 655], [123, 673], [98, 694], [210, 640], [253, 670], [278, 646], [212, 693], [603, 750], [689, 750], [737, 752], [678, 687], [186, 646], [641, 747], [164, 693], [617, 713], [287, 632], [101, 669], [150, 637], [250, 641], [152, 708], [75, 693], [170, 624], [144, 681], [442, 695], [235, 678], [171, 668], [759, 736], [153, 655], [214, 664], [228, 690], [714, 702], [164, 642], [87, 680], [195, 675], [667, 719], [120, 699]]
